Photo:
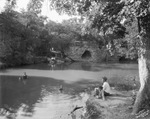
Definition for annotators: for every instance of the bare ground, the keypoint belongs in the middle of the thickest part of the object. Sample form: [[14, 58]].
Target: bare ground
[[114, 107]]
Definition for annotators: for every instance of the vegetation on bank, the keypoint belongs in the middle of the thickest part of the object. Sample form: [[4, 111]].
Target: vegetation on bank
[[25, 36]]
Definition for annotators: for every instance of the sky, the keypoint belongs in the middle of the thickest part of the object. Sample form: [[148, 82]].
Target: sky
[[52, 15], [2, 4]]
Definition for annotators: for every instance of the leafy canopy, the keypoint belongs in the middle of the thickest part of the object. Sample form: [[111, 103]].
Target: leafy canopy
[[111, 18]]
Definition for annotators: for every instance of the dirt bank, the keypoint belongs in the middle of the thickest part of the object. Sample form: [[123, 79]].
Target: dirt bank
[[114, 107]]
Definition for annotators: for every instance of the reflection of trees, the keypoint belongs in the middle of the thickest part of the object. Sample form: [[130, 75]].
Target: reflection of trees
[[61, 66], [15, 94], [86, 66]]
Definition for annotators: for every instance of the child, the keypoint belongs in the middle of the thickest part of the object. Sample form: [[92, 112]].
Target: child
[[98, 92], [106, 88]]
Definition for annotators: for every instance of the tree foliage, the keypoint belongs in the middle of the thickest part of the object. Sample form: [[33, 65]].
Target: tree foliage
[[108, 16], [28, 34], [23, 36], [13, 38], [35, 6], [63, 34]]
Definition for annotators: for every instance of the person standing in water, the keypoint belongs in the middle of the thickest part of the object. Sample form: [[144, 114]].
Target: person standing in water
[[25, 76]]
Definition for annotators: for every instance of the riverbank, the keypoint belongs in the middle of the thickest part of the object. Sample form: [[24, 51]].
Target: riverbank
[[111, 108], [114, 107]]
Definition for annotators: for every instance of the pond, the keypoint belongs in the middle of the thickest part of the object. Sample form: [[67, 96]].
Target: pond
[[39, 97]]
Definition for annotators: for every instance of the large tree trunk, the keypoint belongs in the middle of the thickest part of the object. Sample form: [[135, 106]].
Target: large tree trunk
[[143, 96]]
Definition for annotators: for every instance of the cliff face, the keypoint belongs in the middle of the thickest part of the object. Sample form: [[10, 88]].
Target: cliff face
[[89, 51]]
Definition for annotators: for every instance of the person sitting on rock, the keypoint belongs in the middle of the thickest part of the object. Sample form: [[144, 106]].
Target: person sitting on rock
[[106, 91]]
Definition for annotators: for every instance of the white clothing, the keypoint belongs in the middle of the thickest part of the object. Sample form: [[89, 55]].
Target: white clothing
[[106, 87], [53, 58]]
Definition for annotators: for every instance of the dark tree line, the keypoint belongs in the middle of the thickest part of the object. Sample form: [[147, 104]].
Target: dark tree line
[[27, 35]]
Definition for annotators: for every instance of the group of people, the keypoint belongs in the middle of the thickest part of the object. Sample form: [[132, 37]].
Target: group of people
[[104, 90]]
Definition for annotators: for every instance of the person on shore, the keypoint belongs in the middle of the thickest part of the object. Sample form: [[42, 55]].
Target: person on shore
[[61, 88], [106, 91], [98, 92]]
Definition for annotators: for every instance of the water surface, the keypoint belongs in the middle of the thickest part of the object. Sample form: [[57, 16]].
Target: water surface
[[39, 97]]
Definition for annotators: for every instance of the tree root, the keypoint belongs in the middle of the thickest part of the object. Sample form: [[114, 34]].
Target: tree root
[[143, 113]]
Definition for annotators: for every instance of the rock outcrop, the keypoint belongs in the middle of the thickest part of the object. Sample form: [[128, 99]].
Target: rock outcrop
[[89, 51]]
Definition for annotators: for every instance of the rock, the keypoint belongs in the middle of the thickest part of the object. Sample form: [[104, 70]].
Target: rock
[[90, 51]]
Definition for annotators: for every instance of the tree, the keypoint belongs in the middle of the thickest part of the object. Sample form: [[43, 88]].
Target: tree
[[61, 36], [114, 13], [23, 35], [10, 5], [108, 16], [35, 6], [14, 39]]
